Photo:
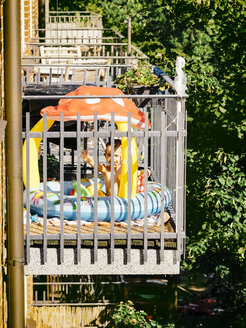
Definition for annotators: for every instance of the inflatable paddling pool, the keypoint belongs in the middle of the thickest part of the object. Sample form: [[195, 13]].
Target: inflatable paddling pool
[[103, 205]]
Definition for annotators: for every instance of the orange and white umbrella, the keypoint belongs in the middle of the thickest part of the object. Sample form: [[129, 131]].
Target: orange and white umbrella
[[103, 106]]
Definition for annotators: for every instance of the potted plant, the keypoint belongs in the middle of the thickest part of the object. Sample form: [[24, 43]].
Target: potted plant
[[140, 76], [139, 80]]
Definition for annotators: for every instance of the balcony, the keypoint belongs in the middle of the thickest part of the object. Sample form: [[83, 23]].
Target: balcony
[[70, 244], [148, 235]]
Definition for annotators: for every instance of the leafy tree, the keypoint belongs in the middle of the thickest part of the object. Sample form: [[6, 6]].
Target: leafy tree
[[210, 35]]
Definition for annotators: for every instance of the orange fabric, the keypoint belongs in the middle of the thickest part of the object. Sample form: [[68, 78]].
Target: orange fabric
[[104, 106], [140, 184]]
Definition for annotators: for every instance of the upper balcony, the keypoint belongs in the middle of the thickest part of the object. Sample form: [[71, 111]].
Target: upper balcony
[[74, 47]]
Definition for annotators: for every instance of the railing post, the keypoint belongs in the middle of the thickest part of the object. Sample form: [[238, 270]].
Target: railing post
[[129, 41], [180, 87], [180, 176]]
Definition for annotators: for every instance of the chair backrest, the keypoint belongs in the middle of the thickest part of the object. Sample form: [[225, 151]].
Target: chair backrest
[[59, 55]]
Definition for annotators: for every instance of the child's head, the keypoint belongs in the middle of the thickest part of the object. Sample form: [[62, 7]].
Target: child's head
[[117, 152]]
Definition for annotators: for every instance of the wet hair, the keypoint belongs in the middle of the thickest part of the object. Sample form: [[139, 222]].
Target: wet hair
[[117, 143]]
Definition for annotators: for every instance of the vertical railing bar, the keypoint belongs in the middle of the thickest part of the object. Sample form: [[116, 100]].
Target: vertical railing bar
[[112, 188], [146, 185], [85, 75], [179, 177], [185, 165], [95, 189], [163, 180], [97, 77], [72, 155], [49, 80], [152, 142], [27, 76], [108, 79], [62, 188], [73, 75], [183, 228], [52, 292], [61, 76], [78, 189], [164, 129], [129, 238], [27, 187], [38, 76], [157, 148], [45, 190]]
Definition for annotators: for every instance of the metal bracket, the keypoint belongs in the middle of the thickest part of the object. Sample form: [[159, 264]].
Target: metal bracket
[[15, 262]]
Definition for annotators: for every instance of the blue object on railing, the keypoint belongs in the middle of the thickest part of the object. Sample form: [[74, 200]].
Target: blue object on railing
[[162, 75], [158, 72]]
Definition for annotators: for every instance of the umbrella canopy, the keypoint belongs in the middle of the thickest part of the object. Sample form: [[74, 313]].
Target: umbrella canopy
[[103, 106]]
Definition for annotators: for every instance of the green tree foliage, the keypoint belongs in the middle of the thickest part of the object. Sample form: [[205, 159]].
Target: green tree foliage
[[126, 315], [210, 35]]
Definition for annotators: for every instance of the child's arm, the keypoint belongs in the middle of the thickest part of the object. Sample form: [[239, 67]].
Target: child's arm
[[90, 161]]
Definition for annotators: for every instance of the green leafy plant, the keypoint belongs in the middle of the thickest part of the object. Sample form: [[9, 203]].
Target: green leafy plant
[[138, 75], [53, 166], [127, 316]]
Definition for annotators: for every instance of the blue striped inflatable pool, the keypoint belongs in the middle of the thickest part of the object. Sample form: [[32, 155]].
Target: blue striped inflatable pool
[[87, 204]]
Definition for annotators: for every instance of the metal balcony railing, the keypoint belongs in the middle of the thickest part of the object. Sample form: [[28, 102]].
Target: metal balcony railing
[[84, 19], [164, 155], [99, 74]]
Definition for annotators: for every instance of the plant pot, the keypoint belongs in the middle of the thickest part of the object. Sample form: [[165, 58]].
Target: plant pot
[[142, 90]]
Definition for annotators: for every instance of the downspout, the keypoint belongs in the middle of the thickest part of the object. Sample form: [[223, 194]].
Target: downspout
[[15, 234]]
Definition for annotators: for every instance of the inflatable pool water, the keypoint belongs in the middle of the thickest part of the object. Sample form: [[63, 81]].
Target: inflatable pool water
[[70, 203]]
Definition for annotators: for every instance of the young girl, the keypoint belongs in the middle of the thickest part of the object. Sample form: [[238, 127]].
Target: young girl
[[106, 169]]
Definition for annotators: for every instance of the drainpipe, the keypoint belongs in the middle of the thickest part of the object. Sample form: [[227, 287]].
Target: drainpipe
[[15, 234]]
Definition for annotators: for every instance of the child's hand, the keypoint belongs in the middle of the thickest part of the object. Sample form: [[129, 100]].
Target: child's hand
[[84, 155]]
